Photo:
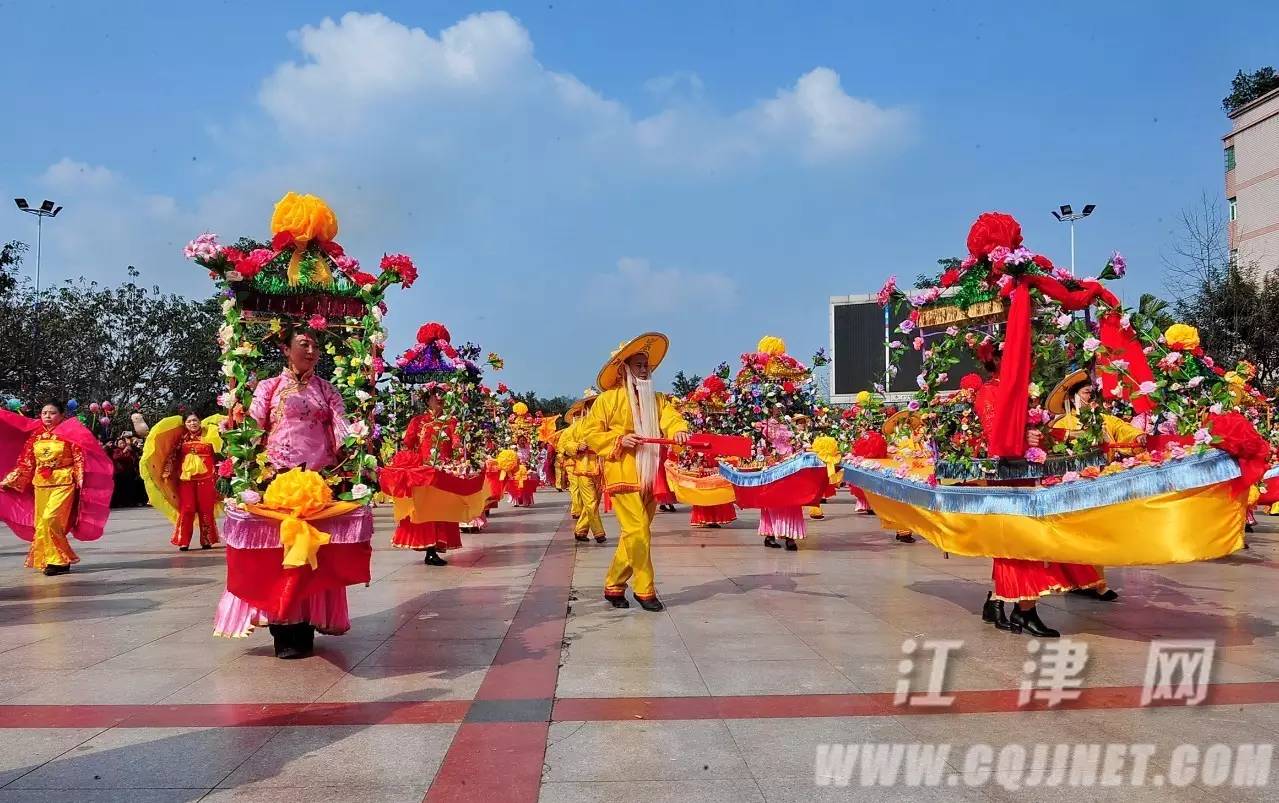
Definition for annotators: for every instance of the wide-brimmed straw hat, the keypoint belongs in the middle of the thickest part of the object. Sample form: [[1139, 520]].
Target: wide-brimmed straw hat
[[1065, 391], [654, 344], [579, 407]]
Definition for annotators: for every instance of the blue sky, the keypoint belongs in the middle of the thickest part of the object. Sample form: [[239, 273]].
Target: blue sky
[[570, 173]]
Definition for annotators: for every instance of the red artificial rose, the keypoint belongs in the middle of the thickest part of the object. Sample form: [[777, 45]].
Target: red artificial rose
[[403, 266], [871, 445], [713, 384], [431, 332], [502, 388], [1049, 482], [986, 351], [1042, 261], [1236, 436], [232, 255], [788, 386], [250, 265], [971, 382], [226, 468], [950, 277], [363, 279], [992, 230]]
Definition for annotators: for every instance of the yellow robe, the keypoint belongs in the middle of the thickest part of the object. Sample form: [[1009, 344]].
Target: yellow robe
[[583, 467], [54, 469]]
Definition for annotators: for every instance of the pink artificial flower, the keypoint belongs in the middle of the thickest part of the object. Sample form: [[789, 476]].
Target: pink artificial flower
[[918, 343], [1203, 436], [1036, 455], [1146, 388], [318, 322], [226, 468], [1070, 476], [1195, 381], [1091, 344]]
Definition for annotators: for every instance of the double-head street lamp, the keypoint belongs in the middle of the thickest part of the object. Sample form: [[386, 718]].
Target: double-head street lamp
[[44, 210], [1067, 215]]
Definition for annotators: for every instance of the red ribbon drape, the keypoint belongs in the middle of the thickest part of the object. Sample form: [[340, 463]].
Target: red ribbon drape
[[1007, 430], [1122, 344]]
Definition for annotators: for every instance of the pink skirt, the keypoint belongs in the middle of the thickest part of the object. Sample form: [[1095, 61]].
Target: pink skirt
[[327, 611], [782, 522]]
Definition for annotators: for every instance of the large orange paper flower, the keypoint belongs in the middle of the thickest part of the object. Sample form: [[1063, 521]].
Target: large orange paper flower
[[306, 217], [1182, 337]]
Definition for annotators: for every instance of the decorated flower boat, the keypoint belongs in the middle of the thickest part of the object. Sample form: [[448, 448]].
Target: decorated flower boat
[[691, 477], [1139, 456], [301, 464]]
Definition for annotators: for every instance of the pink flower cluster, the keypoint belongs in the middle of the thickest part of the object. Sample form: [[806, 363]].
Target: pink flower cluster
[[203, 247]]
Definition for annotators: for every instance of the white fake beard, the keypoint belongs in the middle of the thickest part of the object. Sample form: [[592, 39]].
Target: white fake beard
[[643, 401]]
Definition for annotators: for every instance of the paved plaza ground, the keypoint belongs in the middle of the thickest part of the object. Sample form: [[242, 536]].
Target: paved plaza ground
[[505, 676]]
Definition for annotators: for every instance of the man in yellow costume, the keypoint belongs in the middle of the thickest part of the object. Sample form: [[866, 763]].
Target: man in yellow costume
[[583, 466], [626, 414]]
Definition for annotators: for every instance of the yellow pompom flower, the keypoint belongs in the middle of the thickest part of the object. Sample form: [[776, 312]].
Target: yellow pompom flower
[[507, 460], [827, 449], [863, 397], [1182, 337], [771, 345], [299, 490], [306, 217], [520, 408]]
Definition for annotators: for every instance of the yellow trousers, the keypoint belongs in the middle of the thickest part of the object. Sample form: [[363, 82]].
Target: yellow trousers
[[53, 521], [632, 561], [586, 506], [574, 496]]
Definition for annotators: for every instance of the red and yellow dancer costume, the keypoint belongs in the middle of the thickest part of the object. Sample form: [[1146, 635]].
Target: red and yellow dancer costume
[[192, 462], [584, 474], [435, 441], [53, 468], [706, 515], [610, 419]]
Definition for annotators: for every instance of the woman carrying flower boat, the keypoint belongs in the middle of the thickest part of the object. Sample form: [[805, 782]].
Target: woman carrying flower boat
[[432, 440]]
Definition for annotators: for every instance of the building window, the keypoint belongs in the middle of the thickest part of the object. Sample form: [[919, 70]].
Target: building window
[[1230, 158], [1234, 209]]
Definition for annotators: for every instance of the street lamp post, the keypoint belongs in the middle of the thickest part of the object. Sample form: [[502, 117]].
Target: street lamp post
[[44, 210], [1067, 215]]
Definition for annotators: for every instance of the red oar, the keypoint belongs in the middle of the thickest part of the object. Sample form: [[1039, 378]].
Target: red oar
[[712, 445]]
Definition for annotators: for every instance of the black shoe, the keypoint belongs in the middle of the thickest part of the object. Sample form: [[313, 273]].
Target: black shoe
[[582, 538], [653, 605], [184, 549], [712, 526], [617, 602], [1109, 595], [433, 559], [905, 538], [599, 539], [206, 546], [1248, 528], [988, 609], [791, 546], [285, 648], [770, 541], [304, 638], [55, 569], [1030, 622]]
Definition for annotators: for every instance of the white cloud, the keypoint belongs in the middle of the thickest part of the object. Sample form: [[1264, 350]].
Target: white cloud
[[68, 174], [367, 75], [638, 288]]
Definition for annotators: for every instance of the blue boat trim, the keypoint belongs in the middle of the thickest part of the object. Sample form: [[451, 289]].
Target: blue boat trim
[[1271, 474], [1069, 497], [754, 479]]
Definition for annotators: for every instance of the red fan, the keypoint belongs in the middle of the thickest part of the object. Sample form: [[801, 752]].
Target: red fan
[[712, 445]]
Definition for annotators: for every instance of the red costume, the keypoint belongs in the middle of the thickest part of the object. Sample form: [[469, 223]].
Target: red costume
[[703, 515], [193, 461], [436, 442]]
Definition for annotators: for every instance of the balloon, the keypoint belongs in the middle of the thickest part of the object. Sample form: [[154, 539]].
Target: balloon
[[14, 404], [72, 406], [93, 408]]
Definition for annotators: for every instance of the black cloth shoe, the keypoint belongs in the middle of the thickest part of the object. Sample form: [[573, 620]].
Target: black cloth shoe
[[55, 569], [770, 541], [712, 526], [285, 648], [1030, 622], [1109, 595], [791, 546], [206, 546], [905, 538], [599, 539], [581, 537], [653, 605], [184, 549], [617, 602], [433, 558]]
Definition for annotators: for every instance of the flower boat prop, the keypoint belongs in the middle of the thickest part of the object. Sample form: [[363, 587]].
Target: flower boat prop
[[290, 556], [1161, 510], [794, 482], [693, 476], [294, 544], [442, 480]]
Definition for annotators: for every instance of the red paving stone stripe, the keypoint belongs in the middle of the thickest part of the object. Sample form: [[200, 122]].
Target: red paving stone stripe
[[603, 709], [232, 715], [489, 761]]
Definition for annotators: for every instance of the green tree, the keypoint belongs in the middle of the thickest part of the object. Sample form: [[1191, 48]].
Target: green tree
[[127, 344], [1247, 87], [682, 385]]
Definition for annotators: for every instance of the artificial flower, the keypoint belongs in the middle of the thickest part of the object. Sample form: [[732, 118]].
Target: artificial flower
[[305, 218], [1182, 337], [402, 266], [1036, 455]]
